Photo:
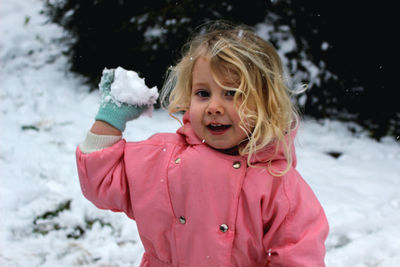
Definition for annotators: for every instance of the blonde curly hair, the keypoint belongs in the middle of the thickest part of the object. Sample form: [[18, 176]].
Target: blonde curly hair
[[266, 111]]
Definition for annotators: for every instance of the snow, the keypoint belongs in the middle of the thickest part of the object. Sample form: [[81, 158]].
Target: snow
[[45, 112], [129, 88]]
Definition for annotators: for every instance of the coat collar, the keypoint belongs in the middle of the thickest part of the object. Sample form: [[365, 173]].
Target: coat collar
[[271, 152], [187, 131]]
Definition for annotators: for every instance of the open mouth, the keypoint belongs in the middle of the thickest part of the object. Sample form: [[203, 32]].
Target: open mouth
[[218, 128]]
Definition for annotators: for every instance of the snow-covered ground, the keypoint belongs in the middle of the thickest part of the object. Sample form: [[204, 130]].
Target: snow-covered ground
[[45, 112]]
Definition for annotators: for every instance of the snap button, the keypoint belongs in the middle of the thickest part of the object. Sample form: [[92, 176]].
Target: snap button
[[223, 228], [237, 165], [177, 160], [182, 220]]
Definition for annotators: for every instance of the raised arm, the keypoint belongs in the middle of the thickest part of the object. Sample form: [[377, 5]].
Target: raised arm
[[100, 158]]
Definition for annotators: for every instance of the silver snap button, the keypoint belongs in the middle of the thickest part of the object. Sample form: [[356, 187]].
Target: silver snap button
[[237, 165], [223, 228], [182, 220], [177, 160]]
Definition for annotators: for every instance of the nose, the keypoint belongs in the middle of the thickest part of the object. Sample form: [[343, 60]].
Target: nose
[[215, 107]]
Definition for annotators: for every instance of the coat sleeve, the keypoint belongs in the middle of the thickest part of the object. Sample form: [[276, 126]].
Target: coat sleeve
[[103, 178], [298, 226]]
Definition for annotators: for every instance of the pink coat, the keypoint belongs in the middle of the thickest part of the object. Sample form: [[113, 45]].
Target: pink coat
[[195, 206]]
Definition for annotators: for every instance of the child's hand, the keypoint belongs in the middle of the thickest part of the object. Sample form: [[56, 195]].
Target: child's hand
[[114, 112]]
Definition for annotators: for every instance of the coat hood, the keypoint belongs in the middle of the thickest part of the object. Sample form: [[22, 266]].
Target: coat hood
[[272, 152]]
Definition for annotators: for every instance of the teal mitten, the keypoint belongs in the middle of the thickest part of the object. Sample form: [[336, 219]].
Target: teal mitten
[[112, 111]]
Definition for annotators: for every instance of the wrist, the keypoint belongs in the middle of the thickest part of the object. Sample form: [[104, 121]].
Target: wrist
[[103, 128]]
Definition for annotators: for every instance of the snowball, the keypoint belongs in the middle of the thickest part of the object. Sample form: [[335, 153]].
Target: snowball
[[129, 88]]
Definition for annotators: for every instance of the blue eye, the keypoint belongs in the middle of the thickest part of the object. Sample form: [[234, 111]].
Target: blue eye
[[203, 93], [230, 93]]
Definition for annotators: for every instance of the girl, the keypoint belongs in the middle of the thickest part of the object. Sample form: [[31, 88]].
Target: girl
[[223, 190]]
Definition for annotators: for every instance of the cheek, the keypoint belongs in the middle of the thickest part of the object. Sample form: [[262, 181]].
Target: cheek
[[196, 121], [193, 111], [195, 115], [236, 120], [234, 114]]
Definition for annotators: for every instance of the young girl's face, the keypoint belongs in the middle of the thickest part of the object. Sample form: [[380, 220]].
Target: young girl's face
[[213, 113]]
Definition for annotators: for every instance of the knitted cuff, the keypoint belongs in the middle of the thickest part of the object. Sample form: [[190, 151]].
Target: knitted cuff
[[94, 142]]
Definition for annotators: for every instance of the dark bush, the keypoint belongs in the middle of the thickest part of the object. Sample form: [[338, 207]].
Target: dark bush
[[344, 44]]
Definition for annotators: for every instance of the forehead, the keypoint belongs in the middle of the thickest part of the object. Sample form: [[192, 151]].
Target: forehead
[[206, 68], [201, 68]]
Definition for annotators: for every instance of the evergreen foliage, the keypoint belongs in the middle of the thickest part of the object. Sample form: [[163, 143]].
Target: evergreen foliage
[[340, 42]]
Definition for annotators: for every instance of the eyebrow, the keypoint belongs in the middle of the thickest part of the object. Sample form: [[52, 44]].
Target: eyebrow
[[200, 84]]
